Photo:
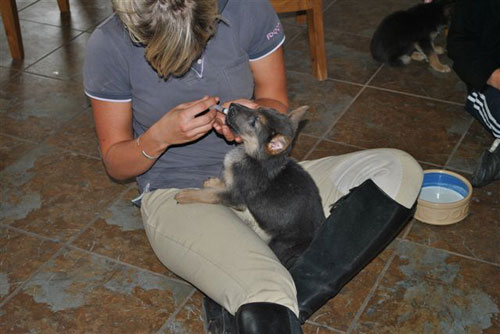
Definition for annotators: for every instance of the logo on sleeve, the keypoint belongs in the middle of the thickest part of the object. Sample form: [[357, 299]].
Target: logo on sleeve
[[274, 32]]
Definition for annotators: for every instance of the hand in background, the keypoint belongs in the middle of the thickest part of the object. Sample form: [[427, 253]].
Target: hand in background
[[494, 80]]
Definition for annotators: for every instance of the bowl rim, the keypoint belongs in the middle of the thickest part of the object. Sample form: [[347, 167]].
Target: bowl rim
[[449, 204]]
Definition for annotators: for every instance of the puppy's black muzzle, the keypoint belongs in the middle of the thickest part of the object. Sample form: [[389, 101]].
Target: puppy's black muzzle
[[232, 115]]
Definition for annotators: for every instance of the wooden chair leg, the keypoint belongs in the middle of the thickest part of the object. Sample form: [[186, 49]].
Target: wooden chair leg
[[317, 40], [63, 5], [301, 17], [12, 28]]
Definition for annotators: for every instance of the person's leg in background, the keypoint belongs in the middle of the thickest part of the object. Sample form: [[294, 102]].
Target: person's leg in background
[[212, 247], [485, 107], [373, 193]]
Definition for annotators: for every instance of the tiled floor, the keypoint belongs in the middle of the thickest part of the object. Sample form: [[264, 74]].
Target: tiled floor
[[73, 254]]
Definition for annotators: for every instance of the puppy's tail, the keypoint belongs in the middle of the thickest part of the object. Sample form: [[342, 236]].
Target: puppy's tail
[[399, 61]]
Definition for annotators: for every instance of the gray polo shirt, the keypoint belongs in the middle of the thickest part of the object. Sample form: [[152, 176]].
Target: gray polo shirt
[[116, 70]]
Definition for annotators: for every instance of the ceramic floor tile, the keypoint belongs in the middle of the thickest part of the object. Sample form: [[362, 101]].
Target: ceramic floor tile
[[348, 56], [82, 15], [427, 129], [468, 153], [65, 63], [78, 135], [292, 31], [20, 256], [11, 150], [327, 148], [6, 75], [81, 293], [312, 329], [21, 4], [190, 318], [340, 311], [302, 145], [38, 41], [476, 236], [327, 99], [54, 193], [361, 17], [119, 234], [430, 291], [420, 79], [33, 107]]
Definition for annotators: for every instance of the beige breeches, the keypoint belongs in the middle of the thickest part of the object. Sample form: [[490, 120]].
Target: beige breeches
[[215, 248]]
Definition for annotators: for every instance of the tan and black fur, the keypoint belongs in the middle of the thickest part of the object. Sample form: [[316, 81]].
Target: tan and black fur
[[409, 34], [260, 176]]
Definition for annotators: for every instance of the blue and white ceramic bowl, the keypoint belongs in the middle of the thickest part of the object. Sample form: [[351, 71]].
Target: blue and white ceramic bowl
[[444, 198]]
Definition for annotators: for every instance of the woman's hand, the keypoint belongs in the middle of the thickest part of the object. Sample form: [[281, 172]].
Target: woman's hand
[[219, 124], [184, 123], [494, 80], [122, 154]]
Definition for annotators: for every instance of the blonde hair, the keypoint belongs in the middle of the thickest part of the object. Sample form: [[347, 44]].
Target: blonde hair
[[174, 32]]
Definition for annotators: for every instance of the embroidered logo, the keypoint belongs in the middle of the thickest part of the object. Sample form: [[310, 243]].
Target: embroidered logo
[[274, 32]]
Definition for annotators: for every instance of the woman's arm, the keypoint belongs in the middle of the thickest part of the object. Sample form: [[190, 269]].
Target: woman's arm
[[270, 81], [123, 155]]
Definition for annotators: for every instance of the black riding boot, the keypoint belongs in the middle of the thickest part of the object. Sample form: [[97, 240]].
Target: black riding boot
[[250, 318], [266, 318], [360, 226]]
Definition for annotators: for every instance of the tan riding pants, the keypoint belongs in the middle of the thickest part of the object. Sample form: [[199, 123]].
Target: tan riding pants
[[213, 247]]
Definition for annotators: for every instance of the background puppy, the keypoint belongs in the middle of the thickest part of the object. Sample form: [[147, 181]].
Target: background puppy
[[259, 175], [409, 34]]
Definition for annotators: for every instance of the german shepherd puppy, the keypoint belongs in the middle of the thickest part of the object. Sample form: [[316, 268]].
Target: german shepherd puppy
[[260, 176], [409, 34]]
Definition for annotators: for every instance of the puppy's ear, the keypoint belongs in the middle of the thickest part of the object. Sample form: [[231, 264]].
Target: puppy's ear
[[296, 115], [278, 144]]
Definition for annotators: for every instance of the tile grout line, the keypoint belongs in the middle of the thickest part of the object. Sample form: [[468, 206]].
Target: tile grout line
[[330, 128], [367, 85], [26, 71], [24, 140], [171, 318], [28, 233], [459, 143], [370, 294], [129, 265], [416, 95], [471, 258], [47, 24], [330, 329], [61, 250], [364, 148], [330, 5], [52, 52], [409, 227]]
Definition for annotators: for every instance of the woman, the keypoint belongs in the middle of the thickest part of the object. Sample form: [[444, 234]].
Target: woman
[[153, 72]]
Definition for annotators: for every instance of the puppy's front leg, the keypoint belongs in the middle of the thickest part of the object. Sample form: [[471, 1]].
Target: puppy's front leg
[[438, 49], [208, 196], [214, 183], [205, 195], [436, 64]]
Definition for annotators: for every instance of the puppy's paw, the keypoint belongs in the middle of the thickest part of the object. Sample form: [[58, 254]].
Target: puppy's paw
[[443, 68], [439, 50], [418, 56], [214, 182], [186, 196]]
